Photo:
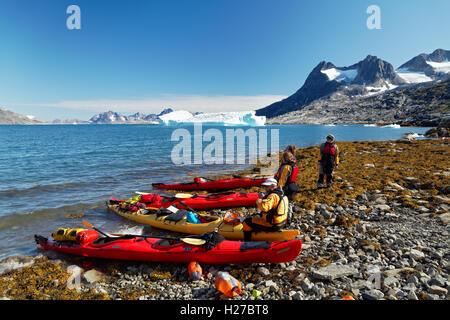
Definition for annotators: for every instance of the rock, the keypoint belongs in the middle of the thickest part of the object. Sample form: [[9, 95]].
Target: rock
[[396, 272], [359, 284], [391, 281], [363, 197], [271, 285], [410, 287], [382, 207], [307, 285], [369, 165], [412, 279], [361, 228], [373, 294], [263, 271], [438, 290], [437, 280], [390, 253], [416, 254], [299, 279], [445, 217], [334, 271], [93, 275], [412, 296], [396, 185], [423, 209], [325, 213], [297, 296]]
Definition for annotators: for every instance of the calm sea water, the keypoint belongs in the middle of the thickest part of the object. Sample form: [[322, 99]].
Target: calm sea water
[[48, 172]]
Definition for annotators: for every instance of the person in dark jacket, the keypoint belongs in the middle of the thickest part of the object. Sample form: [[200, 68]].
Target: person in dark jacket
[[328, 161]]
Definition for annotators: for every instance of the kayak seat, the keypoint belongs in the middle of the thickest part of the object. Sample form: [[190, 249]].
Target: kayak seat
[[177, 216], [105, 240], [245, 246], [165, 243]]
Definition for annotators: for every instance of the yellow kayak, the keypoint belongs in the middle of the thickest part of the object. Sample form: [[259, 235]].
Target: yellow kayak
[[228, 231]]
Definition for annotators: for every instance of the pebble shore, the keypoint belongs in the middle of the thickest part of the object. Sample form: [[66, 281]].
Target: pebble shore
[[380, 232]]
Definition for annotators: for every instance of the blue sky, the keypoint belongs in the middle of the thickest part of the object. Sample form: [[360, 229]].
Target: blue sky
[[144, 55]]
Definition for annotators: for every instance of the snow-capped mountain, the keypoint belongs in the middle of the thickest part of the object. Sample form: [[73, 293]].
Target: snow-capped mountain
[[108, 117], [369, 76], [138, 117], [426, 67]]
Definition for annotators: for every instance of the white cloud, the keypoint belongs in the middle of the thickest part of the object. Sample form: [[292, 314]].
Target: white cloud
[[177, 102]]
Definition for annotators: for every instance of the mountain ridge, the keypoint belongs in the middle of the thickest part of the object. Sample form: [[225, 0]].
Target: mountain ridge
[[368, 77]]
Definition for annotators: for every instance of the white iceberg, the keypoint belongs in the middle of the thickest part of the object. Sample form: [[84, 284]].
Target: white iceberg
[[175, 117], [395, 126], [238, 118]]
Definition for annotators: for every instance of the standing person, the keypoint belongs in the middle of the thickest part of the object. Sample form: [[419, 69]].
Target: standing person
[[287, 177], [273, 211], [328, 161]]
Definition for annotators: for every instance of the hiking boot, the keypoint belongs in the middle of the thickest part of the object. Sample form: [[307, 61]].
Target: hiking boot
[[319, 185]]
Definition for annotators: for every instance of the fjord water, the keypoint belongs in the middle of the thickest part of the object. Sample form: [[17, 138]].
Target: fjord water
[[50, 171]]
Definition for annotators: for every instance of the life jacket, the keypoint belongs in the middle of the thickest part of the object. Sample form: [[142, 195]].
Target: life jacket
[[150, 198], [329, 148], [274, 212], [132, 206], [291, 176], [328, 154]]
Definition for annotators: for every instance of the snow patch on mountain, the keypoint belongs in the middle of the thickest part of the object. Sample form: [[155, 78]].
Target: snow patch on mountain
[[440, 67], [340, 75], [413, 77], [377, 90]]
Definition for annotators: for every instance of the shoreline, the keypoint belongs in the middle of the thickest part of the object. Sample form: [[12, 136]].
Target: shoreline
[[389, 208], [380, 124]]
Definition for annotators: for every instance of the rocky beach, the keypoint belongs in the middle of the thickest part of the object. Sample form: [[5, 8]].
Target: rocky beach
[[380, 232]]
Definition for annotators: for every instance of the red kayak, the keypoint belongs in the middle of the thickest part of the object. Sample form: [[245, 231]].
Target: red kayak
[[203, 184], [199, 201], [139, 248]]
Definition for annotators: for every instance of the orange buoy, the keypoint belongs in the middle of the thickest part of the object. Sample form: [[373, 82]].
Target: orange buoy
[[228, 285], [195, 271]]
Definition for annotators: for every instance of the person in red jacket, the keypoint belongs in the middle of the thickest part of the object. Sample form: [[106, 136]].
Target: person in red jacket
[[328, 161], [286, 175]]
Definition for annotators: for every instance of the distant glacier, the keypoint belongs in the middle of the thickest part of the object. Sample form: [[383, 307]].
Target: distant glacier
[[238, 118]]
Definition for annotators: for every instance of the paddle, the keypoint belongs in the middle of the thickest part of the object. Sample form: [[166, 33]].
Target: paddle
[[90, 226], [192, 241], [178, 195]]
